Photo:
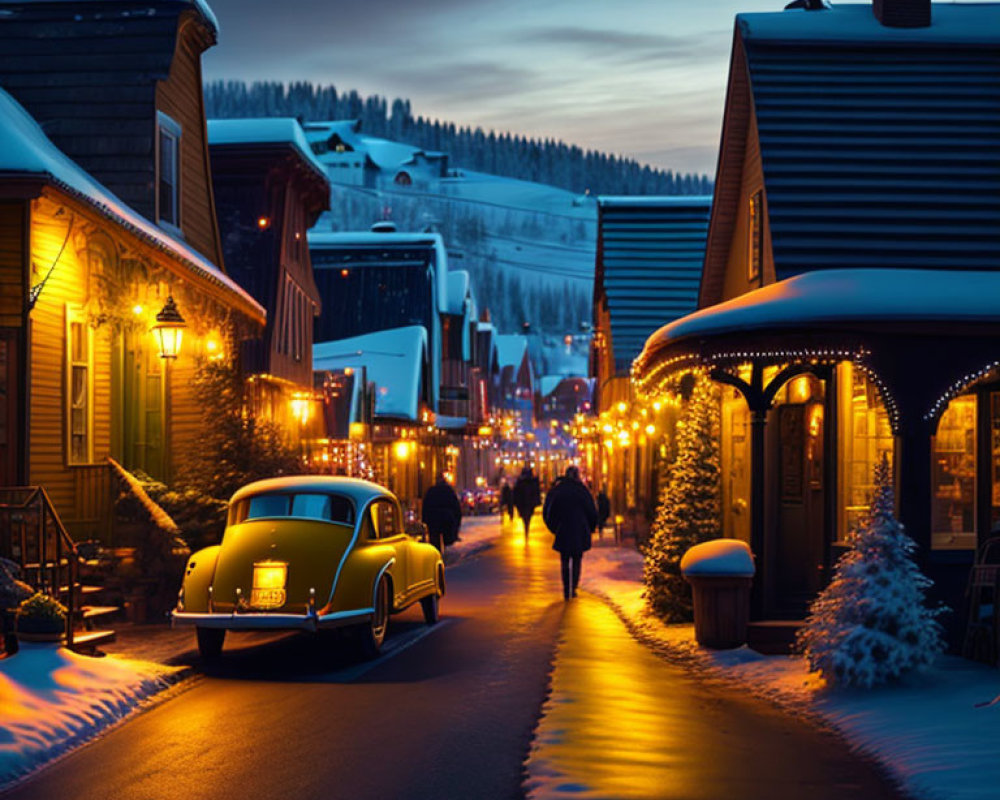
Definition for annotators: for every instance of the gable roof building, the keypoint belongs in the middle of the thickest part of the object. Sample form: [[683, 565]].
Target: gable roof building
[[854, 234]]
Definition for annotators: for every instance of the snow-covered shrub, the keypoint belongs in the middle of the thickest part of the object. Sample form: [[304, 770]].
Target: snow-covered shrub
[[871, 624], [689, 505], [41, 613]]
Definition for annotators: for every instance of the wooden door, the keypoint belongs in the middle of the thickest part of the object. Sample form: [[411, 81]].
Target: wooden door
[[10, 401], [797, 559], [138, 397]]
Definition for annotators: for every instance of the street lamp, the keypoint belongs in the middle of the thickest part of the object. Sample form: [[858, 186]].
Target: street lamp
[[169, 329]]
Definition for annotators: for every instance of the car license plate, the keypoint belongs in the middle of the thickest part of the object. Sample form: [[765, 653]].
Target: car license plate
[[267, 598], [269, 579]]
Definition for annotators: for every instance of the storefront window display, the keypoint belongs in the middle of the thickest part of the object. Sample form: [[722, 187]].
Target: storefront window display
[[953, 477], [865, 436], [735, 462]]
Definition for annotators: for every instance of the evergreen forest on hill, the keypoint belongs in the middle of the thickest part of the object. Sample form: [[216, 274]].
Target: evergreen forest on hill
[[509, 155]]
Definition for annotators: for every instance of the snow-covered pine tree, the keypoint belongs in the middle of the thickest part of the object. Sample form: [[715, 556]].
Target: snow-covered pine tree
[[871, 624], [688, 510]]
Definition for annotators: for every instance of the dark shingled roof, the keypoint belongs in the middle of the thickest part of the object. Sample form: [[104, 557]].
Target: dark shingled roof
[[880, 148], [650, 252]]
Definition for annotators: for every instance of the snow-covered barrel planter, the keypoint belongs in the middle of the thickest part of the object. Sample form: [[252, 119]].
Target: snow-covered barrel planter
[[720, 573]]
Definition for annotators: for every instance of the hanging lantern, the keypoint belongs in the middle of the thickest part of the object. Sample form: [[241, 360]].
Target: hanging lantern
[[169, 329]]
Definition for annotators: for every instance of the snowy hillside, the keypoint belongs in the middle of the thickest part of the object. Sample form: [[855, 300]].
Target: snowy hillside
[[530, 248]]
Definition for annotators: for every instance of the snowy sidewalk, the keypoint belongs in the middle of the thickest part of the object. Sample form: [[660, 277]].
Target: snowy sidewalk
[[932, 731], [53, 700]]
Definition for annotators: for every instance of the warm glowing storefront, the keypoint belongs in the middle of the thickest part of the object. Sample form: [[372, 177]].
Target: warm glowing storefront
[[821, 377]]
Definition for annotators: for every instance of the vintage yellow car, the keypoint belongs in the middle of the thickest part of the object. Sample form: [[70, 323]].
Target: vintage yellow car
[[308, 553]]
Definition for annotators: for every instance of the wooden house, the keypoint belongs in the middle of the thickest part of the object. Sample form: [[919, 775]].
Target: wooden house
[[649, 258], [848, 298], [86, 281], [107, 211], [269, 190]]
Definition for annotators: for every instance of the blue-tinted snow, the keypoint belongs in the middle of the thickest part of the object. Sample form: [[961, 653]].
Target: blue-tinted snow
[[950, 23], [264, 130], [24, 148], [393, 359], [511, 348], [847, 295]]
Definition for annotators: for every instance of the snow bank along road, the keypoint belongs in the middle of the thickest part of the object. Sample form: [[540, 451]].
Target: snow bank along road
[[449, 712]]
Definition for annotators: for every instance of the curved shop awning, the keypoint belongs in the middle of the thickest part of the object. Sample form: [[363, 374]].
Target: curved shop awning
[[859, 299]]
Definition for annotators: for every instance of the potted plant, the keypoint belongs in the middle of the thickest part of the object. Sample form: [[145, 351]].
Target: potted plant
[[41, 618]]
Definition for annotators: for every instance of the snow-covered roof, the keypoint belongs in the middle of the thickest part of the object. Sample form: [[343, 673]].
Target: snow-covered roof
[[387, 154], [361, 491], [201, 6], [951, 23], [394, 360], [846, 295], [511, 349], [547, 384], [327, 240], [451, 423], [265, 130], [651, 201], [25, 149], [458, 291]]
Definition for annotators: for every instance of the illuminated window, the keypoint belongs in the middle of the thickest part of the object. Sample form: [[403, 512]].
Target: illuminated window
[[755, 236], [79, 390], [953, 477], [735, 453], [168, 140], [865, 435]]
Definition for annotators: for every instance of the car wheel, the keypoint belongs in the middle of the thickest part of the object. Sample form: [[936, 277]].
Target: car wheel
[[373, 634], [429, 605], [210, 642]]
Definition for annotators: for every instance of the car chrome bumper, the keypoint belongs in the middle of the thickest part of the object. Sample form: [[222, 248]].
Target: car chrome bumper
[[260, 622]]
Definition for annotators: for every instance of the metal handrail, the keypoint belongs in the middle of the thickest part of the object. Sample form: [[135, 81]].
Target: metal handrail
[[15, 503]]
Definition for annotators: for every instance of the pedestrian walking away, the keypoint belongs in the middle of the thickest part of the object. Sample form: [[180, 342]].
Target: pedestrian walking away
[[569, 512], [527, 496], [603, 511], [442, 513], [506, 502]]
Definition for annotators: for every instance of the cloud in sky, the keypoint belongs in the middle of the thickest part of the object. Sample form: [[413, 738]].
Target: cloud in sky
[[644, 79]]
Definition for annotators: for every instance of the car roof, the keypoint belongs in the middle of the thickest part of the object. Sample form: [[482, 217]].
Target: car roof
[[358, 490]]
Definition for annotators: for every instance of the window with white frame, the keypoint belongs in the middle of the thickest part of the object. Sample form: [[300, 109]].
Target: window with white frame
[[79, 389], [168, 143]]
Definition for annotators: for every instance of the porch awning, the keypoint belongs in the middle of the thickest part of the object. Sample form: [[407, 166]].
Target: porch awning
[[839, 298]]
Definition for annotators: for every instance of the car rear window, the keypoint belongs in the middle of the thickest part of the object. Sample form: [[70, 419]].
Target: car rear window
[[300, 505]]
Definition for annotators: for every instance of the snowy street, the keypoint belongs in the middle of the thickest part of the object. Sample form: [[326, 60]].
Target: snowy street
[[453, 710]]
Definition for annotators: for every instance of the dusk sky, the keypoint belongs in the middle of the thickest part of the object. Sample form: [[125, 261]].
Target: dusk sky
[[645, 78]]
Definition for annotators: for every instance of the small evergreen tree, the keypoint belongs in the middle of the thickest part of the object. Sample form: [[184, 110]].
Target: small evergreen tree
[[871, 625], [235, 448], [689, 504]]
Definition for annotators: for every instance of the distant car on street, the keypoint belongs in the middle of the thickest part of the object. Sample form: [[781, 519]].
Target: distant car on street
[[308, 553]]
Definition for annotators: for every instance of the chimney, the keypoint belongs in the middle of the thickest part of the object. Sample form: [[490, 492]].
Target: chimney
[[903, 13]]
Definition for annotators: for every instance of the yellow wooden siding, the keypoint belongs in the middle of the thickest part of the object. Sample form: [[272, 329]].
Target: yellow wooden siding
[[180, 98]]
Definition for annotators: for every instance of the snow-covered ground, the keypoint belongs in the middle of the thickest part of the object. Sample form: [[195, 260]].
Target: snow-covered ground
[[935, 732], [477, 534], [52, 700]]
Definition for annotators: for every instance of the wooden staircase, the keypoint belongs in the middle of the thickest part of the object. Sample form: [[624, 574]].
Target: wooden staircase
[[33, 536]]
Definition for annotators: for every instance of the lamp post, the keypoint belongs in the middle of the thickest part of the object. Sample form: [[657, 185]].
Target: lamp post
[[169, 329]]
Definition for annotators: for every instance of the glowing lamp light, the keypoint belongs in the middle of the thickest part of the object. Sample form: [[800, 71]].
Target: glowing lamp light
[[137, 310], [401, 450], [622, 408], [301, 407], [169, 329], [263, 223]]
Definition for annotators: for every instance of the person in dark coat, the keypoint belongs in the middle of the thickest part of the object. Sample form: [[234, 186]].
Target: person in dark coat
[[506, 502], [603, 511], [570, 514], [442, 513], [527, 496]]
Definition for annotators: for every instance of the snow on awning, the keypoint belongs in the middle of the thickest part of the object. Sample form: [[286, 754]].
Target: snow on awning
[[451, 423], [25, 149], [833, 297], [458, 290], [394, 360], [511, 348]]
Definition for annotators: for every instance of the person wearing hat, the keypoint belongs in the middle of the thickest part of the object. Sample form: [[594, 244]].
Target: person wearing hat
[[571, 515]]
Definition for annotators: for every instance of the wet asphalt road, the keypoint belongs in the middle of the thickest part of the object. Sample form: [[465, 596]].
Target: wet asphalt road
[[449, 712]]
